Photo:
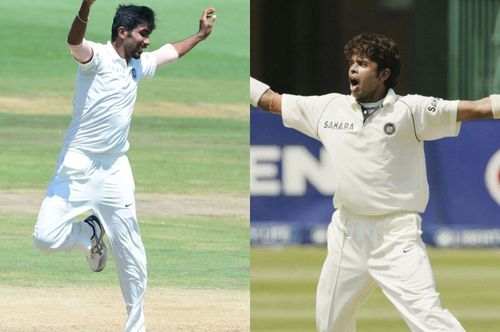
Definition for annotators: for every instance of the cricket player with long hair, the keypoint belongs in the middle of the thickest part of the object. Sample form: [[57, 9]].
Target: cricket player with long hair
[[375, 139], [93, 172]]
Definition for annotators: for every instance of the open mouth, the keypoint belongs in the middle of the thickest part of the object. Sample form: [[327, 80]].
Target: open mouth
[[354, 83]]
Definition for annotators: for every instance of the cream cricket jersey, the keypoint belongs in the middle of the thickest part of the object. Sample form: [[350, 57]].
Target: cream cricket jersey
[[379, 165], [105, 94]]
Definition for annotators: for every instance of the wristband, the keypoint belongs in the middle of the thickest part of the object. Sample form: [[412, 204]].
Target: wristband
[[257, 89], [81, 20], [495, 106]]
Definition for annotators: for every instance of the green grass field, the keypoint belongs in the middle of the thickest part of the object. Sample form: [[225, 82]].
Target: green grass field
[[183, 155], [174, 155], [184, 252], [283, 289], [36, 60]]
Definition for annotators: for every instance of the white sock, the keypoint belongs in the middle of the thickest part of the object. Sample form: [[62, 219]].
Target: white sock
[[85, 232]]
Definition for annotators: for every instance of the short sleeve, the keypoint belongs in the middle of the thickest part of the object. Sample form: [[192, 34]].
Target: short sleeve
[[434, 118], [301, 113], [147, 65], [93, 64]]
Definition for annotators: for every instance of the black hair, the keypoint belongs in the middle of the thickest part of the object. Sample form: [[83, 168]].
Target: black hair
[[379, 49], [130, 17]]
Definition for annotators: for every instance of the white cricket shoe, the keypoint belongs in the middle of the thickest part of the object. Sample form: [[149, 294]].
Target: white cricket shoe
[[98, 255]]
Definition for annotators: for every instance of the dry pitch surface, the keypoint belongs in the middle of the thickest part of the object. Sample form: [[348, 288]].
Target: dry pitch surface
[[166, 309], [60, 309]]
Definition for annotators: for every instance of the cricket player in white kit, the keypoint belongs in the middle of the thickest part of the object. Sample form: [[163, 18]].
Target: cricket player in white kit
[[93, 172], [375, 139]]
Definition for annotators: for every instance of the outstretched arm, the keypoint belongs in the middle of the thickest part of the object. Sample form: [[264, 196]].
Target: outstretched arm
[[76, 42], [170, 52], [262, 96], [485, 108]]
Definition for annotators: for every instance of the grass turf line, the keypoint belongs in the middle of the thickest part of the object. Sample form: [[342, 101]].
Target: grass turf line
[[283, 290], [174, 155], [183, 252]]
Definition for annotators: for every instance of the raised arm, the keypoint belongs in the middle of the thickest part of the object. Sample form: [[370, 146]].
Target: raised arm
[[76, 42], [485, 108], [172, 51], [205, 28], [262, 96]]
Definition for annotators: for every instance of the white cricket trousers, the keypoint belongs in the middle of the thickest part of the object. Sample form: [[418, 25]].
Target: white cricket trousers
[[385, 251], [104, 185]]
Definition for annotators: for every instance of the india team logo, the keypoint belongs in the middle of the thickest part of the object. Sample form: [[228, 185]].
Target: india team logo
[[389, 128], [492, 176]]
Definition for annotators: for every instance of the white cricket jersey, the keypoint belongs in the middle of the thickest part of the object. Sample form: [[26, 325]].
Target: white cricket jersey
[[379, 165], [105, 94]]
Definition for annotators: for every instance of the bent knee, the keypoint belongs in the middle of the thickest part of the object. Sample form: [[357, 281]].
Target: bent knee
[[43, 241]]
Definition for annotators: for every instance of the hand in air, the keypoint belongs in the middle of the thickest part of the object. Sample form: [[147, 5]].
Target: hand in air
[[207, 21]]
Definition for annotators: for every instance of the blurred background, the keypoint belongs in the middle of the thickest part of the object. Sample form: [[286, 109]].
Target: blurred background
[[449, 49]]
